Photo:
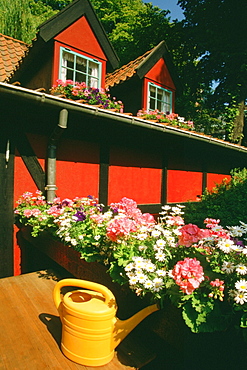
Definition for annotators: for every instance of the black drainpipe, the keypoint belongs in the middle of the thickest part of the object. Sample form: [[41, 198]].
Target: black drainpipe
[[52, 153]]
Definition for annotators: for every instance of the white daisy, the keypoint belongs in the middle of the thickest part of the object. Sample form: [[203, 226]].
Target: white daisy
[[148, 284], [130, 274], [158, 284], [226, 245], [133, 280], [228, 267], [141, 278], [160, 256], [73, 242], [241, 269], [129, 267], [241, 285], [240, 297], [155, 233], [167, 233], [176, 210], [161, 272], [235, 231], [142, 236], [150, 267], [160, 243], [166, 207]]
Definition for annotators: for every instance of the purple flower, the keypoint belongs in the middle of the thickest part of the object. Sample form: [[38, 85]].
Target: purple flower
[[81, 216]]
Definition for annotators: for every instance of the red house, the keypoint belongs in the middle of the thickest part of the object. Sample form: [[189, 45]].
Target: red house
[[96, 151]]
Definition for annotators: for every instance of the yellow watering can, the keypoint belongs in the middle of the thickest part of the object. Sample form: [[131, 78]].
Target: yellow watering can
[[90, 329]]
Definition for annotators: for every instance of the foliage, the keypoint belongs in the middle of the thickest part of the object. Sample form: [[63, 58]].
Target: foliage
[[226, 201], [20, 18], [216, 54], [90, 95], [171, 119], [132, 26], [202, 270]]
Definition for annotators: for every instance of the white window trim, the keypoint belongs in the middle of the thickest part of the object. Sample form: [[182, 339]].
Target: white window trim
[[161, 88], [61, 69]]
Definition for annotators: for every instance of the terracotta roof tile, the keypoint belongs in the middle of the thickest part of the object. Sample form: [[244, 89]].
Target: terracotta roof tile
[[125, 72], [11, 53]]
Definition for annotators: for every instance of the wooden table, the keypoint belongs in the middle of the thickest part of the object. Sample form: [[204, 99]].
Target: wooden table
[[30, 328]]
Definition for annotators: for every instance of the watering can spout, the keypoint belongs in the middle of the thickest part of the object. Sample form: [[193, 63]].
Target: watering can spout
[[123, 327]]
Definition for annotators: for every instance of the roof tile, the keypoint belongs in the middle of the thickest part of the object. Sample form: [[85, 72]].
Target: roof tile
[[126, 71], [11, 53]]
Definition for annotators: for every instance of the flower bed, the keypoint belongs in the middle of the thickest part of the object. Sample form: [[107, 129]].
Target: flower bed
[[201, 271]]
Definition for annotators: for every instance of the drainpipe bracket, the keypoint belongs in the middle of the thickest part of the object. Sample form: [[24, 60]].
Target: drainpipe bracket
[[51, 187]]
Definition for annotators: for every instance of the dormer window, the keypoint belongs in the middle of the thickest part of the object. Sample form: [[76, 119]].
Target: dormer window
[[79, 68], [159, 98]]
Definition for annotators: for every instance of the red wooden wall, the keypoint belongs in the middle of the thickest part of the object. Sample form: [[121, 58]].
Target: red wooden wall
[[132, 173]]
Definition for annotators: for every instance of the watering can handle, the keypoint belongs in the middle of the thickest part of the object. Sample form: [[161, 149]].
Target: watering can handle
[[80, 284]]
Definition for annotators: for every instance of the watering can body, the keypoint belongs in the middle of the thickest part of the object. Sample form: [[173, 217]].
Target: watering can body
[[90, 329]]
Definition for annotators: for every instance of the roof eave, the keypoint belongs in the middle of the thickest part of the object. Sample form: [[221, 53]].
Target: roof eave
[[50, 100]]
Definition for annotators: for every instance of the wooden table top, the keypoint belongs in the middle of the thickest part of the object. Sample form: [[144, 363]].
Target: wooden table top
[[30, 332]]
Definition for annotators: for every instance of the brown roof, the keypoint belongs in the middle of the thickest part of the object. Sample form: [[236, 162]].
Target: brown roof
[[11, 53], [125, 72]]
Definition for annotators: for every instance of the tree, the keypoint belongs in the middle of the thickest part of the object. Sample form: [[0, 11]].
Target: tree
[[214, 31], [132, 26], [20, 18]]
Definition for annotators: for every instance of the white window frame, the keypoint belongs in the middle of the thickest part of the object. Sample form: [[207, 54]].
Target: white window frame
[[165, 102], [95, 75]]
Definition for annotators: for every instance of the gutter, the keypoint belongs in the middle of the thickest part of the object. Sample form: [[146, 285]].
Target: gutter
[[47, 99]]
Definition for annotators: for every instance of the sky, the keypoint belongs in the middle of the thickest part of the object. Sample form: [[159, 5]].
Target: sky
[[176, 11]]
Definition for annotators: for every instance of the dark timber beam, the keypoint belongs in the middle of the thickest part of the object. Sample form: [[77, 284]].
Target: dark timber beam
[[7, 149], [31, 162]]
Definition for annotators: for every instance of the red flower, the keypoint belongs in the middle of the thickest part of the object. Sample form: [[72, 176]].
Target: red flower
[[190, 234], [188, 274]]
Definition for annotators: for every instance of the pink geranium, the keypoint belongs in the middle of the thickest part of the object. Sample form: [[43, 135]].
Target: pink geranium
[[190, 234], [55, 211], [130, 209], [188, 274], [175, 221], [27, 213], [119, 227]]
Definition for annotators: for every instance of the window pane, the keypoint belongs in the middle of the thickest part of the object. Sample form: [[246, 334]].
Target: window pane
[[80, 77], [93, 82], [69, 75], [81, 64], [159, 106], [152, 91], [93, 69], [152, 104]]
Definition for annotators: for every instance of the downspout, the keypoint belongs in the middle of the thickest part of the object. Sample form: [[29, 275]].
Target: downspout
[[52, 153]]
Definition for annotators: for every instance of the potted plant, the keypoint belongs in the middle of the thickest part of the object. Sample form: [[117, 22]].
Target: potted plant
[[171, 119], [89, 95]]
